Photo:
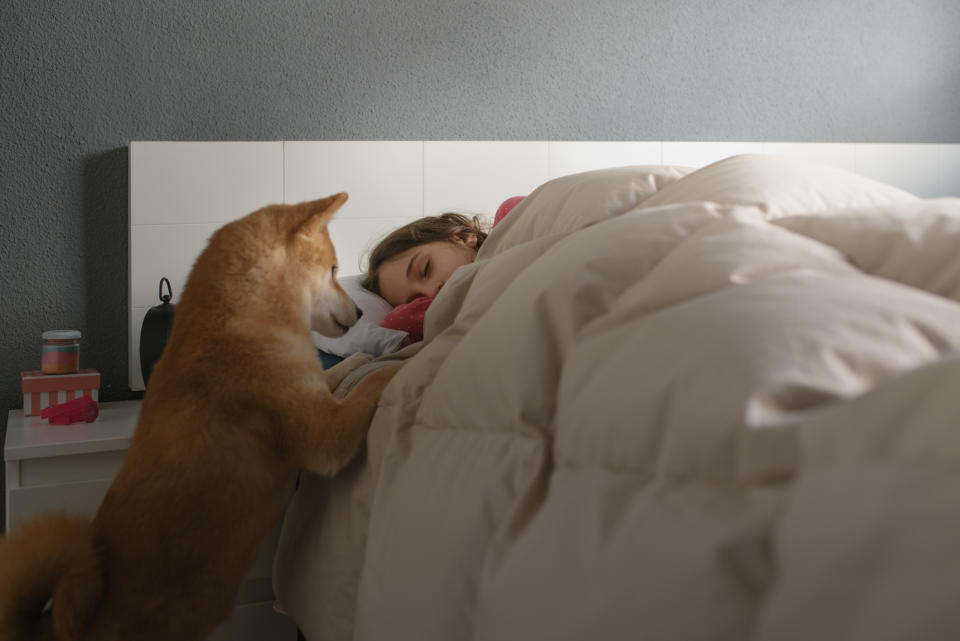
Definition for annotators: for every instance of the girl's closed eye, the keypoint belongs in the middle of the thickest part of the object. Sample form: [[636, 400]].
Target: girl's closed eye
[[426, 268]]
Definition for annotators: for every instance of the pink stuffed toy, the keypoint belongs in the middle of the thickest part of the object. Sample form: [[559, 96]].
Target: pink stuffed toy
[[409, 316]]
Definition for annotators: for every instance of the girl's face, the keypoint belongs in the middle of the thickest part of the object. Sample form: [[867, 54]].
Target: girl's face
[[422, 270]]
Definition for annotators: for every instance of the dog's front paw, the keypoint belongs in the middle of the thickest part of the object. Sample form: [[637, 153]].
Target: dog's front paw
[[357, 359], [340, 371]]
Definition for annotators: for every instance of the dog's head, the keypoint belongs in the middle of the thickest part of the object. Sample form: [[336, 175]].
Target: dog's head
[[332, 311]]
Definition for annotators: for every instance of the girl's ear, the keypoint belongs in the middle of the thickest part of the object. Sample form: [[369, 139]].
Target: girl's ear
[[469, 240]]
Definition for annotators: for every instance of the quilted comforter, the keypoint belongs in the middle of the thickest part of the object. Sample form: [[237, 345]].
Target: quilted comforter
[[663, 404]]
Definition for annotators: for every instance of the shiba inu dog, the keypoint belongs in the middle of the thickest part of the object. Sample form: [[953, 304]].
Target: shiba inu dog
[[235, 405]]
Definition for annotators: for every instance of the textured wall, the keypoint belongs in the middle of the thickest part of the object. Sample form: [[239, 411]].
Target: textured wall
[[80, 80]]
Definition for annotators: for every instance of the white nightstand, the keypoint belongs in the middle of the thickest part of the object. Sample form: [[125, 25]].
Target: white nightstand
[[70, 467], [64, 467]]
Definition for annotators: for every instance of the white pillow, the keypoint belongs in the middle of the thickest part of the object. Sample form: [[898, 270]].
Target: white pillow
[[367, 335]]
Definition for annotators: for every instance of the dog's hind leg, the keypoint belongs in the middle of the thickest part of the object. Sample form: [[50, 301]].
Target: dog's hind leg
[[330, 433]]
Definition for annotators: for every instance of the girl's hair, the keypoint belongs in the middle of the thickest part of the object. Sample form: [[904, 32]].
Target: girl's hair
[[449, 227]]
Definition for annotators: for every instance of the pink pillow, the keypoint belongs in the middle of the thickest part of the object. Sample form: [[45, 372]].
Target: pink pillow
[[505, 208]]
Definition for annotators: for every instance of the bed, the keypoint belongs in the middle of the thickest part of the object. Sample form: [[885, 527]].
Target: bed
[[662, 404]]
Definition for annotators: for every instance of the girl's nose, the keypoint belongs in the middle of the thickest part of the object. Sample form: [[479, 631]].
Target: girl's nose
[[428, 290]]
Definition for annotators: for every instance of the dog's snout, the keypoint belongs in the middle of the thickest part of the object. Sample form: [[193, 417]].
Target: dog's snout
[[359, 313]]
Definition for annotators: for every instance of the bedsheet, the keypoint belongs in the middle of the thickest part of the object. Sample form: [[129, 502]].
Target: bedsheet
[[663, 404]]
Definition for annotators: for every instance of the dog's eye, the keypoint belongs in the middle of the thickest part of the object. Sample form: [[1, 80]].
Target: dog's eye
[[333, 270]]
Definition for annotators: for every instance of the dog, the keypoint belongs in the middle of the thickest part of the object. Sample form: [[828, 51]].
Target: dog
[[237, 403]]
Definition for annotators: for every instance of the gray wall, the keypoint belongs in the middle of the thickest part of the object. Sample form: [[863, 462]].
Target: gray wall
[[79, 80]]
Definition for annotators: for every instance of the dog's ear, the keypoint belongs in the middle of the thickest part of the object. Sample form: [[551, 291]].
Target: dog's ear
[[319, 212]]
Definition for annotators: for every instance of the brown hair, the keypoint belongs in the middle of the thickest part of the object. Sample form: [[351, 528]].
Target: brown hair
[[449, 227]]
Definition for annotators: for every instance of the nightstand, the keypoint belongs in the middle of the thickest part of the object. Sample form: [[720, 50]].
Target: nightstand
[[64, 467], [70, 467]]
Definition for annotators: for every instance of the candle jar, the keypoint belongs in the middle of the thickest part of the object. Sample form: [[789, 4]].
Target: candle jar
[[61, 351]]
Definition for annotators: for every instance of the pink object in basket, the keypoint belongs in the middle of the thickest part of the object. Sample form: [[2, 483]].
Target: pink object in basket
[[79, 409]]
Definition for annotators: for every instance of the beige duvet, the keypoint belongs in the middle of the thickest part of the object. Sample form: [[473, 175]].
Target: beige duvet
[[663, 405]]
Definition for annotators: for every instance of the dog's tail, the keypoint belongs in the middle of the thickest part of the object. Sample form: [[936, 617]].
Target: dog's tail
[[51, 576]]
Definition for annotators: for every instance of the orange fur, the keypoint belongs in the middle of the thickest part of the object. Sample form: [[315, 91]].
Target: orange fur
[[236, 404]]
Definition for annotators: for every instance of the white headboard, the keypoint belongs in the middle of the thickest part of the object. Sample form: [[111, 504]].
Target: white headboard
[[180, 192]]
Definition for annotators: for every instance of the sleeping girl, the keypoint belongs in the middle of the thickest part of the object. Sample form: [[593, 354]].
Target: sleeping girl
[[410, 266]]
